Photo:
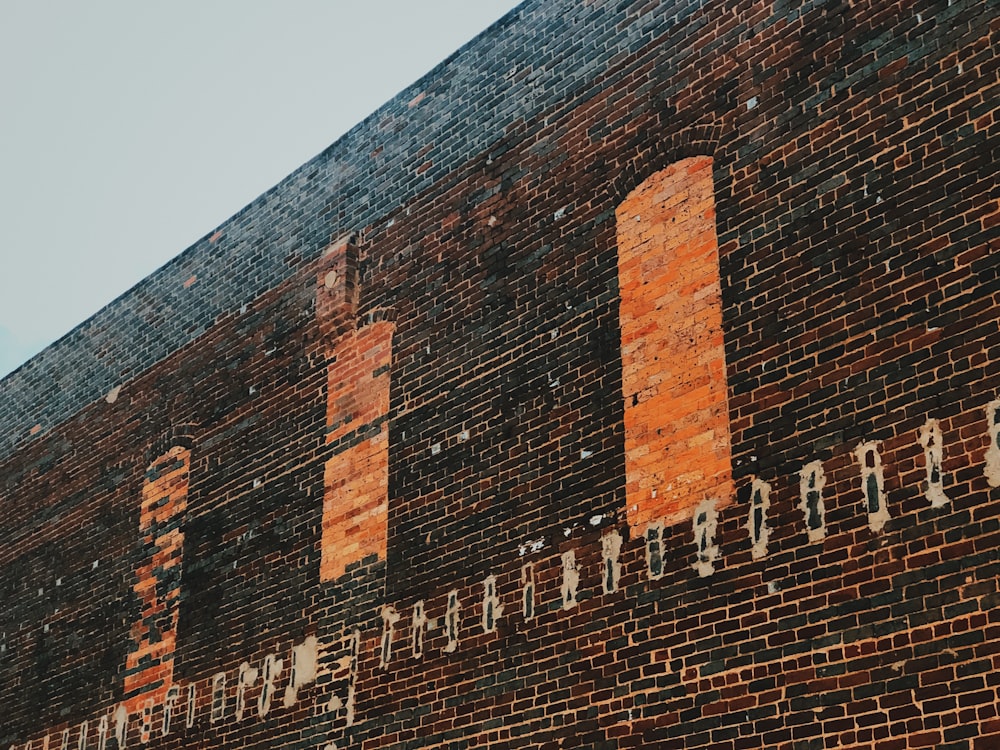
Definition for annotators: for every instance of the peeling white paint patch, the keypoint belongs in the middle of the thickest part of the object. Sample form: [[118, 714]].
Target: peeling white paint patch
[[492, 608], [992, 468], [570, 580], [760, 501], [192, 705], [303, 669], [451, 621], [218, 698], [121, 725], [654, 550], [873, 484], [169, 702], [611, 547], [596, 519], [811, 483], [418, 627], [247, 677], [929, 437], [705, 522], [389, 619], [272, 669], [354, 645], [528, 591]]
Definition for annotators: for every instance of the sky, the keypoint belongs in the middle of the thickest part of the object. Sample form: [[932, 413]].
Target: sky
[[129, 129]]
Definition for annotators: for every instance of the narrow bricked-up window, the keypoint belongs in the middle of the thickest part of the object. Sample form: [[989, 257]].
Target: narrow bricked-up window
[[418, 628], [451, 621], [930, 438], [492, 608], [149, 664], [760, 501], [705, 524], [811, 483], [528, 591], [873, 484], [677, 441]]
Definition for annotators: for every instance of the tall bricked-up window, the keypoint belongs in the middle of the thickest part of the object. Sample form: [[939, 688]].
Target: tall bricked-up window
[[356, 477], [150, 662], [677, 441]]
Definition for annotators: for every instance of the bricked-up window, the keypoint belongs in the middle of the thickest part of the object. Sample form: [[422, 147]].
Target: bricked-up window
[[150, 662], [417, 629], [528, 591], [930, 438], [873, 484], [705, 524], [760, 501], [451, 621], [677, 441], [492, 608], [811, 483]]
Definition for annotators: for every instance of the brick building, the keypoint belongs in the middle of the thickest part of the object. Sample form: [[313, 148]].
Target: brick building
[[631, 380]]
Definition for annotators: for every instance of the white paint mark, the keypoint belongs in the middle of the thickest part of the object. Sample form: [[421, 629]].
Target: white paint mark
[[611, 546], [596, 520], [559, 213], [811, 483], [570, 580], [389, 619], [751, 102], [585, 454], [567, 532], [492, 608], [272, 669], [463, 436], [247, 677], [113, 394], [355, 650], [760, 501], [435, 449], [930, 438], [992, 468], [218, 697], [418, 627], [303, 669], [528, 591], [192, 705], [451, 621], [704, 522], [121, 725], [172, 696], [872, 484]]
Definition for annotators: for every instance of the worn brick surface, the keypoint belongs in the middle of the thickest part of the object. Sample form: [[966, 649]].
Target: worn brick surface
[[473, 226]]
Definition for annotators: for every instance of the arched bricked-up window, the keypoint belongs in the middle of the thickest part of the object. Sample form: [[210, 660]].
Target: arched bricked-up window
[[677, 441]]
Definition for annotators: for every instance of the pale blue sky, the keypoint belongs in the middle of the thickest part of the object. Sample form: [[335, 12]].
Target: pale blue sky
[[129, 129]]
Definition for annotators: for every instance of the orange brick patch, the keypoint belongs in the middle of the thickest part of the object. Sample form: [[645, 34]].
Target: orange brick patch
[[150, 663], [677, 442], [356, 480]]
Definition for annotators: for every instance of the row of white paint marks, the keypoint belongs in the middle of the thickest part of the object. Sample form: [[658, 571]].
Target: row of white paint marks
[[303, 672], [812, 480]]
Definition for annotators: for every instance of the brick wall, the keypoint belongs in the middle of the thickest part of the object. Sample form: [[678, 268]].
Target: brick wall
[[371, 483]]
